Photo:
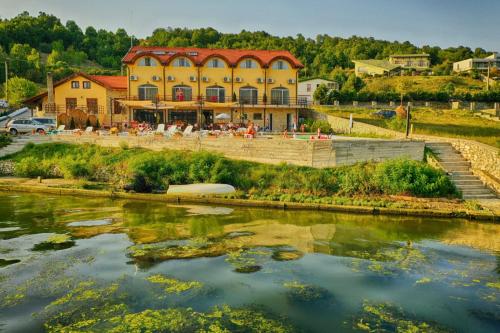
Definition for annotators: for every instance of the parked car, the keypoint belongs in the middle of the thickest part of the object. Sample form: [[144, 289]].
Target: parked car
[[4, 104], [386, 114], [27, 126], [45, 121]]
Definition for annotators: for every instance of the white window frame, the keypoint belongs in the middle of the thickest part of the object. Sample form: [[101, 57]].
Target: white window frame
[[147, 62], [181, 62]]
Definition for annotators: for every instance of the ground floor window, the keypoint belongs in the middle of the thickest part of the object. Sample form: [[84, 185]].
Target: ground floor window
[[257, 116], [151, 117], [182, 116]]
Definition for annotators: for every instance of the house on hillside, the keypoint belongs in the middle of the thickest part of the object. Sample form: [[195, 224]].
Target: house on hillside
[[308, 87], [375, 67], [479, 64], [94, 95], [418, 62]]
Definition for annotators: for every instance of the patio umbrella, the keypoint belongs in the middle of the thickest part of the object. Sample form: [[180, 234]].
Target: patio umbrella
[[223, 116]]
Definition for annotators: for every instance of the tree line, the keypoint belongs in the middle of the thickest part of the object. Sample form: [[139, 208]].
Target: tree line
[[36, 44]]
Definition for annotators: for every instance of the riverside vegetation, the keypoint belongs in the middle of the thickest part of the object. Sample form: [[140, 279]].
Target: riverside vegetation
[[145, 171]]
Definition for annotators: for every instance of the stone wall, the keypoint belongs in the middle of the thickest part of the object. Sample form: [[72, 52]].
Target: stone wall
[[274, 150], [485, 160]]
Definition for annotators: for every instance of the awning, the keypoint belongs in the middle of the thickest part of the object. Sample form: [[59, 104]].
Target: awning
[[145, 105], [220, 105]]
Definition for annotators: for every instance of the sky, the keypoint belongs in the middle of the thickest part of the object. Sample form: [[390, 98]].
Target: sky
[[423, 22]]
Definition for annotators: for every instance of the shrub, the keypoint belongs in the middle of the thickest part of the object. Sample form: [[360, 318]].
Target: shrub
[[356, 179], [323, 125], [32, 167], [149, 172], [5, 140], [403, 176]]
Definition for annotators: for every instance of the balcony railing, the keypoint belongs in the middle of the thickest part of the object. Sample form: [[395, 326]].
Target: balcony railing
[[295, 102], [59, 108]]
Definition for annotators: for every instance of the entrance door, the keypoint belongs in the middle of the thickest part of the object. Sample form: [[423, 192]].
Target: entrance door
[[289, 121], [70, 104], [270, 122], [207, 118]]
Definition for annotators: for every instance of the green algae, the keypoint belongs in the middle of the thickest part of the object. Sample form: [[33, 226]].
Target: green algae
[[287, 255], [298, 292], [246, 260], [386, 317], [55, 242], [172, 285]]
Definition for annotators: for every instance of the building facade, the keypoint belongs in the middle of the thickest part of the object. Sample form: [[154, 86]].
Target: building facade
[[411, 61], [94, 95], [479, 64], [194, 86], [307, 88]]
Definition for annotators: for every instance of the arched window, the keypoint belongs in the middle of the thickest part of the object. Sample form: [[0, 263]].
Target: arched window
[[248, 63], [216, 94], [216, 63], [248, 95], [182, 93], [148, 62], [148, 92], [280, 65], [181, 62], [280, 96]]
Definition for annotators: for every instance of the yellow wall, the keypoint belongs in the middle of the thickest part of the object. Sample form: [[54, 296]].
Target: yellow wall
[[216, 77], [63, 91]]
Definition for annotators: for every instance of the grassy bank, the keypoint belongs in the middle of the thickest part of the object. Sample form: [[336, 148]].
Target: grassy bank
[[461, 124], [5, 140], [145, 171]]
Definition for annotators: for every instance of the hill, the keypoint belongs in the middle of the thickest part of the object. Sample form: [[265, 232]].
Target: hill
[[425, 83]]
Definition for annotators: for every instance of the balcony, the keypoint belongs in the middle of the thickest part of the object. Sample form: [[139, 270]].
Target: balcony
[[59, 108], [229, 101]]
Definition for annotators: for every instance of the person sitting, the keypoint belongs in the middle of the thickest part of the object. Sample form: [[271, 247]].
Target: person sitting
[[250, 131]]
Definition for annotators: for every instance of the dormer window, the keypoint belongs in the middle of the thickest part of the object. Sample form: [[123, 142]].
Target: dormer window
[[248, 63], [216, 63], [280, 65], [182, 62], [147, 62]]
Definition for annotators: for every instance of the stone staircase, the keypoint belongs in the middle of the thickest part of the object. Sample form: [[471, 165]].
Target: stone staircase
[[459, 171], [19, 142]]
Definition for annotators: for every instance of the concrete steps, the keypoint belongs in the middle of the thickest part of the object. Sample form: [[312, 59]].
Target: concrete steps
[[459, 171]]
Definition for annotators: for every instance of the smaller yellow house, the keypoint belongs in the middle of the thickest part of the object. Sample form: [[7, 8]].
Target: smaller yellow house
[[94, 95]]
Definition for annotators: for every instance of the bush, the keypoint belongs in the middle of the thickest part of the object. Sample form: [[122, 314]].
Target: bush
[[5, 140], [32, 167], [403, 176], [356, 179], [323, 125]]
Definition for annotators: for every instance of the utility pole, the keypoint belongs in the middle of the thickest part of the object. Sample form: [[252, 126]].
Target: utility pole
[[6, 80], [408, 120], [488, 78]]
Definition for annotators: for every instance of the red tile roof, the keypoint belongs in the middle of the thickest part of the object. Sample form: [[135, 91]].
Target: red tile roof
[[111, 82], [199, 56]]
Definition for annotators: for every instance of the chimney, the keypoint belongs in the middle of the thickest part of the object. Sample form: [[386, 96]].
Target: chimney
[[50, 89]]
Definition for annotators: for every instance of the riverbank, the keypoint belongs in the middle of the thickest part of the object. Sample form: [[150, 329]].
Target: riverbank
[[418, 207]]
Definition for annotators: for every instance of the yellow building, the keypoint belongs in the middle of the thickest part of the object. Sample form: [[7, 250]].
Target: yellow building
[[420, 61], [193, 85], [93, 94]]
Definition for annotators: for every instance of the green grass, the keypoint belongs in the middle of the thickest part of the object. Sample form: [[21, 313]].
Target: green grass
[[461, 124], [424, 83], [146, 171]]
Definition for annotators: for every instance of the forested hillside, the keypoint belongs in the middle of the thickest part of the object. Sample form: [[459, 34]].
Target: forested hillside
[[37, 43]]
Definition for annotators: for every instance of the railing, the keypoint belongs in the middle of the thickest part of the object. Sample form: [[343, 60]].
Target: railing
[[59, 108], [295, 102]]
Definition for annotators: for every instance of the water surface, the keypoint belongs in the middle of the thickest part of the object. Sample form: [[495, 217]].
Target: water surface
[[86, 264]]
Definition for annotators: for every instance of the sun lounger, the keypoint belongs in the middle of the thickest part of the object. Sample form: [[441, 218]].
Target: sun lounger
[[160, 129], [89, 130], [188, 131], [171, 131]]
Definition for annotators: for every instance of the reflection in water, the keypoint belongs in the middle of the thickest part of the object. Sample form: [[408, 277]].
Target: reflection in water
[[110, 265]]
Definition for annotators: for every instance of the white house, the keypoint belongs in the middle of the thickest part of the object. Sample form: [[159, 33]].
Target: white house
[[480, 64], [307, 88]]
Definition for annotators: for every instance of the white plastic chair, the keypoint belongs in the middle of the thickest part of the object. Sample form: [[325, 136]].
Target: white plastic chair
[[89, 130], [160, 129], [171, 131]]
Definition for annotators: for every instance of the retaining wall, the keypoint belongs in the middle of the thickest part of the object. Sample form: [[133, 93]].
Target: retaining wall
[[324, 153]]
